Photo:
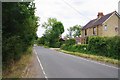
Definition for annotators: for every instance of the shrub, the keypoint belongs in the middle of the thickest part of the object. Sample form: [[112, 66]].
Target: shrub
[[97, 45], [56, 45], [70, 42], [82, 48], [12, 52], [113, 47], [105, 46], [75, 48], [41, 41]]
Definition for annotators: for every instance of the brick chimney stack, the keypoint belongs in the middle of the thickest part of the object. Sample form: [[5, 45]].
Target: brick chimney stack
[[100, 14]]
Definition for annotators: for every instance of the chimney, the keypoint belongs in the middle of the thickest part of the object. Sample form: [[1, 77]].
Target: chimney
[[100, 14]]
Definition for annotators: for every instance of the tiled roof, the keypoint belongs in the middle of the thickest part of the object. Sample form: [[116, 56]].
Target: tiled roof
[[97, 21]]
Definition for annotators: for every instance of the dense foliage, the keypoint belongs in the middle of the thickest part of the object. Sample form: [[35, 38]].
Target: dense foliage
[[19, 25], [70, 42], [105, 46], [75, 48], [51, 37], [101, 46]]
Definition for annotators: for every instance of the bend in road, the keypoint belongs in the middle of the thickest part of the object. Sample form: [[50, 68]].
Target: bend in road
[[60, 65]]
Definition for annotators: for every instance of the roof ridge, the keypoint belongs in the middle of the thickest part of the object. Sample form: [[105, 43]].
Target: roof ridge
[[98, 21], [110, 13]]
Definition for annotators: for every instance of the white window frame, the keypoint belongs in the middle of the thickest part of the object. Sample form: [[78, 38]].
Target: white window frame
[[105, 27]]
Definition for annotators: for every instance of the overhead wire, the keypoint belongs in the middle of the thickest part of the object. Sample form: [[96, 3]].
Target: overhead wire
[[75, 9]]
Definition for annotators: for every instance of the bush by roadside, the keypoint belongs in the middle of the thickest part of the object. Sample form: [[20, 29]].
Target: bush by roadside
[[101, 46], [105, 46], [75, 48], [70, 42]]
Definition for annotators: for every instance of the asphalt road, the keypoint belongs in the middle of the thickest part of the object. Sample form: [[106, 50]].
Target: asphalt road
[[60, 65]]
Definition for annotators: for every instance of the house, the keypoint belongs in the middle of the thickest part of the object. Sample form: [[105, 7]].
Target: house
[[104, 26]]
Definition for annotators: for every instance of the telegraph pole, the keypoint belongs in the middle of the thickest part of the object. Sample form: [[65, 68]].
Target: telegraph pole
[[119, 23]]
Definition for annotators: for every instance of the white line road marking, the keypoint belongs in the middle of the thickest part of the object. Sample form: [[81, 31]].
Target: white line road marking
[[100, 63], [90, 60], [41, 65]]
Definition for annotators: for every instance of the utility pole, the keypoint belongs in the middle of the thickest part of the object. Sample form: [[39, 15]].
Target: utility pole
[[119, 7], [119, 20]]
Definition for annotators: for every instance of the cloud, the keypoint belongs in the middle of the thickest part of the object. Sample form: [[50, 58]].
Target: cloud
[[72, 12]]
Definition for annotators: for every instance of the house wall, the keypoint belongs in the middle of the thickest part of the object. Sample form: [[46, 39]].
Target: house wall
[[83, 33], [111, 23], [119, 26], [100, 27], [90, 31]]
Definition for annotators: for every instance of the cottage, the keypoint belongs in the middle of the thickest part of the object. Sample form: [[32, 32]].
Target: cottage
[[104, 25]]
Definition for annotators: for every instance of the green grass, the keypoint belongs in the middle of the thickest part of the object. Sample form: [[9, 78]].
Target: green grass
[[93, 57]]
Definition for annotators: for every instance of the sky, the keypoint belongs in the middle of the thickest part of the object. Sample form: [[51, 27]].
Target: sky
[[72, 12]]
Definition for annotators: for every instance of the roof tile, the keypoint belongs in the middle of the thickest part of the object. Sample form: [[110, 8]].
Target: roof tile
[[97, 21]]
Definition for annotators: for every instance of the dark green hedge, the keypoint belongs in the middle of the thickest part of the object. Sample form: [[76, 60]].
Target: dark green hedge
[[103, 46], [97, 45], [19, 26], [75, 48], [70, 42], [51, 43]]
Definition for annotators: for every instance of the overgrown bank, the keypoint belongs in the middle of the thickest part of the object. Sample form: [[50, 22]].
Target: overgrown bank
[[19, 26], [18, 69]]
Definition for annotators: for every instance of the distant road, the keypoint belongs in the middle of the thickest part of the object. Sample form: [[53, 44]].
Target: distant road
[[59, 65]]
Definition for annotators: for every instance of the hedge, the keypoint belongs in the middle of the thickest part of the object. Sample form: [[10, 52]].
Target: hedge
[[97, 45], [105, 46], [70, 42], [75, 48], [101, 46]]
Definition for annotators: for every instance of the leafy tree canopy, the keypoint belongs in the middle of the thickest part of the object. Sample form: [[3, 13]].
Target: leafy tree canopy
[[74, 31], [54, 30], [19, 26]]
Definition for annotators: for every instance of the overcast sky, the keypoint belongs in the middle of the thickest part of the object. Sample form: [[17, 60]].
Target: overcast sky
[[72, 12]]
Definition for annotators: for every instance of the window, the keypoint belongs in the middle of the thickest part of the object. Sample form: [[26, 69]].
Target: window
[[105, 27], [85, 32]]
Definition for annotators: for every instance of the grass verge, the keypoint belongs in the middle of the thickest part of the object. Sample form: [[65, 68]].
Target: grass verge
[[93, 57], [16, 70]]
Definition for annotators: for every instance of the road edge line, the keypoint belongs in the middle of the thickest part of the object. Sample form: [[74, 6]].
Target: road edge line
[[91, 61], [40, 64]]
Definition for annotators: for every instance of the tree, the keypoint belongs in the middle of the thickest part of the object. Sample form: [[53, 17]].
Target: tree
[[19, 26], [48, 25], [74, 31], [70, 32], [53, 31]]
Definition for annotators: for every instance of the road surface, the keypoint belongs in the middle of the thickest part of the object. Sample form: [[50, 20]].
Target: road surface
[[60, 65]]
